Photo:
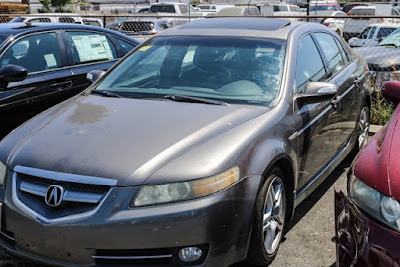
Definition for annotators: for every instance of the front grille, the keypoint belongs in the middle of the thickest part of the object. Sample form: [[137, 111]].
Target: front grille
[[77, 197], [137, 26], [138, 256]]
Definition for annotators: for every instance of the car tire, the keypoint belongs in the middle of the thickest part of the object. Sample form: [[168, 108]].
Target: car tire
[[269, 220]]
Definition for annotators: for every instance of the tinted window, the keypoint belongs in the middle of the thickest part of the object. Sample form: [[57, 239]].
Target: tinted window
[[90, 47], [336, 8], [331, 51], [371, 33], [383, 32], [364, 34], [162, 9], [125, 45], [283, 8], [310, 67], [342, 50], [209, 67], [35, 53]]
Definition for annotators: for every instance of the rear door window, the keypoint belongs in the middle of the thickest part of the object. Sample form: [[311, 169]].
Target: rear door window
[[87, 47], [310, 67], [331, 51]]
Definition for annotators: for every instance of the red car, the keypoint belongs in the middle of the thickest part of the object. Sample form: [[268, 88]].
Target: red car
[[367, 220]]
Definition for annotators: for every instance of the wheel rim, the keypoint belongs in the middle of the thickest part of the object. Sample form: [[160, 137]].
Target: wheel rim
[[363, 125], [273, 217]]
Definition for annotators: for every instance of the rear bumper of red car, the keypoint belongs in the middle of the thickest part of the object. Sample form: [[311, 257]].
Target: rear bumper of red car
[[362, 241]]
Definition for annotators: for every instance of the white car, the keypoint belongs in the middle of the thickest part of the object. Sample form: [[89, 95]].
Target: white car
[[373, 34], [353, 26], [336, 24]]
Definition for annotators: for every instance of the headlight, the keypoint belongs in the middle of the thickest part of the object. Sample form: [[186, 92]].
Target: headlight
[[174, 192], [376, 204], [3, 171]]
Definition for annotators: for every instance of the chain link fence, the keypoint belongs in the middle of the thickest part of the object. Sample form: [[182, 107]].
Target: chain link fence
[[375, 37]]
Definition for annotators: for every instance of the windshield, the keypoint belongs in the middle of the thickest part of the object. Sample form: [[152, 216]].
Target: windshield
[[233, 70], [392, 39]]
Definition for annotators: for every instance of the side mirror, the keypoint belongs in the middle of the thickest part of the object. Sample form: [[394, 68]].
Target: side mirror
[[317, 92], [94, 75], [11, 73], [391, 90]]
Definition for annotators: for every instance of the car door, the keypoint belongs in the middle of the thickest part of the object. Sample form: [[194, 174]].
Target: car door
[[41, 54], [90, 50], [316, 130], [343, 76]]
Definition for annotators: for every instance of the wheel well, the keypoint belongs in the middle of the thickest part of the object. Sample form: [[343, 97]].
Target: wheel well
[[286, 167]]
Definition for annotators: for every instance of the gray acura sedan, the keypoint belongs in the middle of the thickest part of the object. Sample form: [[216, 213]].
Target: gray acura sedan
[[194, 149]]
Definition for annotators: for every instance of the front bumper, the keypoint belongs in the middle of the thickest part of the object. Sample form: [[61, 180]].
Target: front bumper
[[360, 240], [220, 224]]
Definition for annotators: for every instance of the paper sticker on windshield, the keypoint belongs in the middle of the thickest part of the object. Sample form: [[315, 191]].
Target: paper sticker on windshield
[[50, 60], [92, 47], [144, 48]]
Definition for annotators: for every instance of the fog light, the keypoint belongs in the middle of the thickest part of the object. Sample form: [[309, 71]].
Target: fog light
[[190, 254]]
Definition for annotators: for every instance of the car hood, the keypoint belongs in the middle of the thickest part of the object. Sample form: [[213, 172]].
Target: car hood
[[378, 165], [380, 56], [123, 139]]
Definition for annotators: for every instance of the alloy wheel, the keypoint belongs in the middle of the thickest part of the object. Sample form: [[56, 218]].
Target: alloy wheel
[[363, 129], [274, 213]]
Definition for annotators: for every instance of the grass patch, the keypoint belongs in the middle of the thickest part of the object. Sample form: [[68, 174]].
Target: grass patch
[[381, 110]]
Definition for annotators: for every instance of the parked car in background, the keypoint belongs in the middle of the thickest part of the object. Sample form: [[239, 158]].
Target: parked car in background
[[43, 64], [383, 59], [373, 34], [354, 26], [335, 24], [280, 10], [239, 11], [117, 23], [177, 13], [324, 8], [367, 220], [348, 7], [143, 26], [193, 150], [92, 22], [210, 8], [50, 18]]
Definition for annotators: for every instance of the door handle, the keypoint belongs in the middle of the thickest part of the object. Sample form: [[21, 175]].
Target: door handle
[[335, 101], [358, 80], [61, 85]]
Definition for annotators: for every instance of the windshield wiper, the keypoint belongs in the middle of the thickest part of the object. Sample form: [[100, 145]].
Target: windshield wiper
[[106, 93], [391, 44], [191, 99]]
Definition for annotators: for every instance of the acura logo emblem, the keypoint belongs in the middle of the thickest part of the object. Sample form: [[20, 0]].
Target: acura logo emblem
[[54, 195]]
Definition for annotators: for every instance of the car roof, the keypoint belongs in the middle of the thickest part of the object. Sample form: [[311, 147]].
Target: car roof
[[237, 26], [19, 28]]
